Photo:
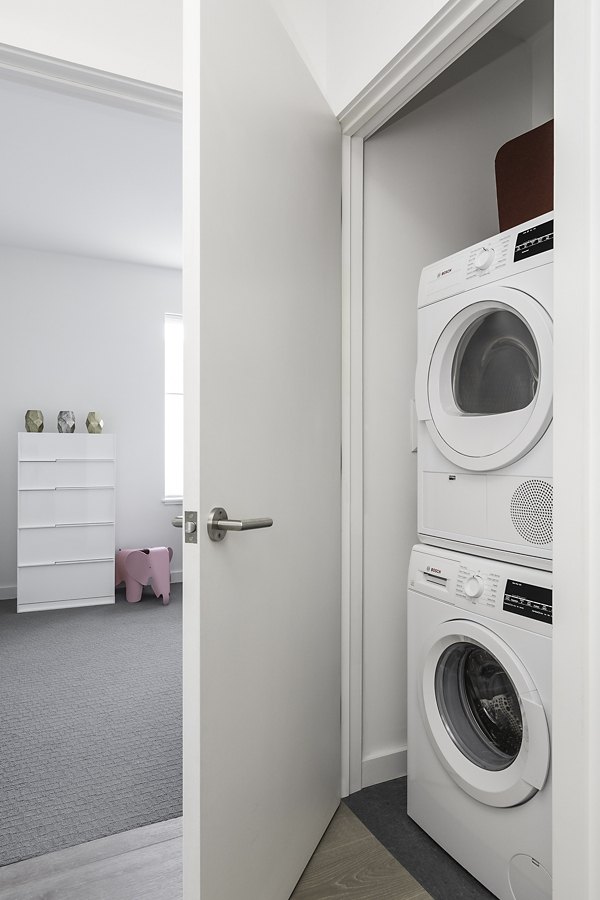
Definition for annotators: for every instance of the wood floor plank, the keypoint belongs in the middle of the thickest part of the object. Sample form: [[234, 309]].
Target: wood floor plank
[[343, 829], [355, 868], [146, 864], [40, 868], [149, 873]]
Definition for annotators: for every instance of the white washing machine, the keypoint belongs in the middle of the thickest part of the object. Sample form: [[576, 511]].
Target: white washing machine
[[483, 396], [479, 701]]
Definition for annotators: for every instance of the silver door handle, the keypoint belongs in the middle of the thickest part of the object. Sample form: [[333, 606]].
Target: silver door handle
[[177, 521], [219, 524]]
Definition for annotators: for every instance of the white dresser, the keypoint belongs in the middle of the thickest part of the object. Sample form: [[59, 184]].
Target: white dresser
[[66, 520]]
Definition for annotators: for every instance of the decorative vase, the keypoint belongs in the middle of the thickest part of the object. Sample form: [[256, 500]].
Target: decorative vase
[[66, 421], [94, 423], [34, 420]]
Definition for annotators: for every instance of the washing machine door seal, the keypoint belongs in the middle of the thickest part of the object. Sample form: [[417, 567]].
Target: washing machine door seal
[[489, 383], [483, 715]]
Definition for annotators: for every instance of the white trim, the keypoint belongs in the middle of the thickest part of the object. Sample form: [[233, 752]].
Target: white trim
[[384, 768], [576, 662], [176, 576], [84, 82], [446, 37], [352, 470], [459, 25]]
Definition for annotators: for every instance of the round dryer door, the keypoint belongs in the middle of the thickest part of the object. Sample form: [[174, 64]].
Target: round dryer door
[[484, 716], [490, 380]]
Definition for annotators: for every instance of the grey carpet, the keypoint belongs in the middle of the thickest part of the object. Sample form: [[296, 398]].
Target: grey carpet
[[90, 722]]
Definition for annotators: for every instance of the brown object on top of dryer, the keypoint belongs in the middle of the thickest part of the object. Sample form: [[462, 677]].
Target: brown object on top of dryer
[[525, 176]]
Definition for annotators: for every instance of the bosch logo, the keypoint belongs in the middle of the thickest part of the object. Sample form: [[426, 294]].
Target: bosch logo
[[434, 570], [444, 272]]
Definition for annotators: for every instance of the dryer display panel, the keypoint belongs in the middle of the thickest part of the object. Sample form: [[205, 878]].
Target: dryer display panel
[[528, 600], [534, 240]]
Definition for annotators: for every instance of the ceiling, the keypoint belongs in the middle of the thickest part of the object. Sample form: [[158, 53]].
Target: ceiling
[[83, 177]]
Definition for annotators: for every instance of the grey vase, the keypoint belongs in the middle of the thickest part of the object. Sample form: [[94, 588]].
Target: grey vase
[[66, 421], [34, 420], [94, 423]]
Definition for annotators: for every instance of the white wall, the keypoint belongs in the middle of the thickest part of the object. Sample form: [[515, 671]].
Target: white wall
[[429, 191], [88, 178], [363, 36], [83, 334], [306, 23], [542, 58], [346, 43], [140, 39]]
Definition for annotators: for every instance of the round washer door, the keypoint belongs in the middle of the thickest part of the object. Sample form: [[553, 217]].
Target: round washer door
[[490, 380], [484, 715]]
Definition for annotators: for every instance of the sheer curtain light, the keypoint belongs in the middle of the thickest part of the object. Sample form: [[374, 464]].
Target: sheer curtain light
[[173, 406]]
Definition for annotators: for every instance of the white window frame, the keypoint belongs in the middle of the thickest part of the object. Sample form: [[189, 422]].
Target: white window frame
[[173, 456]]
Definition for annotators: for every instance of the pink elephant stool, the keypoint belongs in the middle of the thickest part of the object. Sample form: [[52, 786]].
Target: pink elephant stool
[[140, 567]]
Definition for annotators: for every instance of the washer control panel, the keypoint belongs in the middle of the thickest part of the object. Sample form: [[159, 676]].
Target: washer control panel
[[477, 587], [491, 588]]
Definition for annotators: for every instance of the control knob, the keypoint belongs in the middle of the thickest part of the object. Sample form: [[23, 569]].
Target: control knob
[[484, 258], [474, 586]]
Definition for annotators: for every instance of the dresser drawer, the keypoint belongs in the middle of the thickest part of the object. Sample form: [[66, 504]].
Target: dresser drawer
[[66, 473], [64, 506], [70, 581], [63, 543], [66, 446]]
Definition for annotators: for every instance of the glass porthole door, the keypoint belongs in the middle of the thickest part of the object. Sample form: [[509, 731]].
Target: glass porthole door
[[496, 366], [484, 716], [479, 706], [489, 383]]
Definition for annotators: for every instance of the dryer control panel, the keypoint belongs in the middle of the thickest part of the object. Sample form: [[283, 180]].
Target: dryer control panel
[[523, 247], [490, 588]]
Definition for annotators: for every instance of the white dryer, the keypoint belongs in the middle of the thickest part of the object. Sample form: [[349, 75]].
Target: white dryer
[[479, 701], [483, 394]]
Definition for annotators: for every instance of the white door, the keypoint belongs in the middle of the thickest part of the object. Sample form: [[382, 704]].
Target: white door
[[262, 189]]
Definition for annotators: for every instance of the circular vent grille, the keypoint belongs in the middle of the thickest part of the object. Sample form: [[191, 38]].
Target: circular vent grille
[[531, 511]]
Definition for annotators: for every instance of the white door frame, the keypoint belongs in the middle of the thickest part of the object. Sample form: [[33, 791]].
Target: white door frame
[[444, 39], [576, 657]]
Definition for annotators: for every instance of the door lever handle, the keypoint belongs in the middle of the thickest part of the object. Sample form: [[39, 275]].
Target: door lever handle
[[189, 527], [219, 524]]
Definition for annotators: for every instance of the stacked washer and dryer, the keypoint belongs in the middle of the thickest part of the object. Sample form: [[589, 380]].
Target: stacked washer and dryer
[[480, 584]]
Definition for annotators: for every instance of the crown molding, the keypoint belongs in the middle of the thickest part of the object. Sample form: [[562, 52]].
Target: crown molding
[[75, 80], [458, 25]]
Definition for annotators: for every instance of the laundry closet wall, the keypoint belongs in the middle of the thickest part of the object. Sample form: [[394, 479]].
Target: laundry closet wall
[[429, 191]]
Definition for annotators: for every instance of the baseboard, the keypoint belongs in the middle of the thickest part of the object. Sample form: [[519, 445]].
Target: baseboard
[[9, 592], [384, 768]]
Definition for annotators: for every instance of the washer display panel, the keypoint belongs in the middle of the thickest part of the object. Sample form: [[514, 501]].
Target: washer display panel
[[489, 380], [479, 706]]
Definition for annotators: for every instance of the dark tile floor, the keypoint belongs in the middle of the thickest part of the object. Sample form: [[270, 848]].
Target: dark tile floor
[[382, 808]]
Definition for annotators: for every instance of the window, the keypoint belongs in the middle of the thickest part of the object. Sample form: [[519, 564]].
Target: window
[[173, 407]]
